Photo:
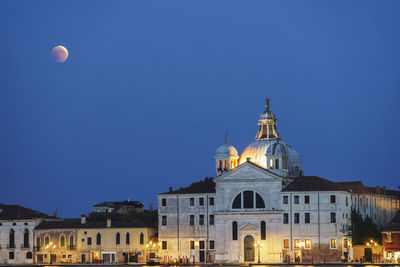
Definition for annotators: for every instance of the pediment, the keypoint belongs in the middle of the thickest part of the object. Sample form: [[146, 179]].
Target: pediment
[[248, 227], [248, 171]]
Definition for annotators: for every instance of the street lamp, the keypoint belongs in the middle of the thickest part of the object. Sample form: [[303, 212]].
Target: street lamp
[[258, 245], [50, 246]]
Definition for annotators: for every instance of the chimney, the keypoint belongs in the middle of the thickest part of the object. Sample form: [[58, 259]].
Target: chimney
[[83, 219], [170, 189], [108, 222], [248, 159]]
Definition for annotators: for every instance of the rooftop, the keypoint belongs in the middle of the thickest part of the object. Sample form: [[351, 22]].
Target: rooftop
[[120, 203], [75, 223], [16, 212], [205, 186]]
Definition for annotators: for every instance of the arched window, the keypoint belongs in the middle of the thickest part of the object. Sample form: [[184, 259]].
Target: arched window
[[128, 239], [98, 239], [46, 240], [38, 242], [276, 163], [225, 164], [71, 241], [219, 164], [271, 163], [141, 239], [12, 238], [117, 239], [29, 255], [234, 231], [26, 238], [251, 200], [62, 240], [263, 230]]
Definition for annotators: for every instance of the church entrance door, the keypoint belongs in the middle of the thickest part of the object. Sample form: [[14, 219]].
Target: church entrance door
[[248, 248]]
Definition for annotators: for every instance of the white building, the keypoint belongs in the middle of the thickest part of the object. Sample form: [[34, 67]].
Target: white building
[[16, 233], [261, 208]]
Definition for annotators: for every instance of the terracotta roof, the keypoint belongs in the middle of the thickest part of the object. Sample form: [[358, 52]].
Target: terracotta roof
[[120, 203], [312, 183], [205, 186], [16, 212], [75, 223], [394, 225], [359, 188]]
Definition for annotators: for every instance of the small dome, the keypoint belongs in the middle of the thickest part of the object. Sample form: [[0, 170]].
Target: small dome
[[277, 148], [226, 151], [267, 115]]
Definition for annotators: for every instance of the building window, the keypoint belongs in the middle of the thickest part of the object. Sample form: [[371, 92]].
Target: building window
[[164, 245], [62, 241], [26, 238], [225, 164], [333, 217], [285, 200], [164, 202], [259, 202], [286, 243], [237, 202], [297, 218], [297, 243], [276, 163], [191, 220], [46, 241], [128, 238], [38, 242], [307, 199], [201, 219], [71, 241], [98, 239], [212, 245], [201, 201], [333, 243], [271, 163], [11, 243], [345, 243], [285, 218], [388, 237], [306, 217], [191, 201], [141, 239], [211, 201], [29, 255], [296, 199], [347, 201], [248, 199], [117, 239], [202, 245], [333, 199], [11, 255], [211, 219], [164, 220], [307, 243], [263, 230], [234, 231], [191, 244], [89, 241]]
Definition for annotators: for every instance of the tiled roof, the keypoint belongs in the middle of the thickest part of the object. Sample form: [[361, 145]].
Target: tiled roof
[[16, 212], [120, 203], [394, 224], [312, 183], [75, 223], [205, 186]]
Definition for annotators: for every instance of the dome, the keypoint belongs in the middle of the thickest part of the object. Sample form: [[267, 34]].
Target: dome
[[258, 150], [267, 115], [226, 151]]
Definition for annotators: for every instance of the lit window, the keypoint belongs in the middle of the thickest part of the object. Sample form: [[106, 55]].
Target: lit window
[[286, 243], [271, 163], [333, 243], [164, 245], [191, 244], [297, 243], [345, 243], [307, 243], [388, 237]]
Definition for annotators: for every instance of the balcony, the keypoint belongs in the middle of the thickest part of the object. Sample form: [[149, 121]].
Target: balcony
[[71, 247], [10, 245]]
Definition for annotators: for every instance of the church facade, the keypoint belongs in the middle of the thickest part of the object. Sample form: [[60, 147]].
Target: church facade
[[261, 208]]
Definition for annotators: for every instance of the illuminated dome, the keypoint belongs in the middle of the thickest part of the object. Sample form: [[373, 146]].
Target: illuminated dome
[[268, 143], [226, 150]]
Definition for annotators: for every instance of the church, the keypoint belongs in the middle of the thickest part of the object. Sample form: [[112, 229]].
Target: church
[[261, 208]]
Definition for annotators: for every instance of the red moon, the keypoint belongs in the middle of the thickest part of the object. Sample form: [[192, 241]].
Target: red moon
[[59, 54]]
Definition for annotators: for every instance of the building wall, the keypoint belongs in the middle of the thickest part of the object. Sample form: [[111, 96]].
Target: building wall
[[20, 253]]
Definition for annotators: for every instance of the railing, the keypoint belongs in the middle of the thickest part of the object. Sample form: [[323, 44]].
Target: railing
[[71, 247], [10, 245], [36, 248]]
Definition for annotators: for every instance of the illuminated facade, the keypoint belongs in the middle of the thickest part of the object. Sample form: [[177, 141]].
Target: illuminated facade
[[261, 207]]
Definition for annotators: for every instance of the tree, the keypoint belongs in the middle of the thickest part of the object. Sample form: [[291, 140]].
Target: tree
[[363, 230]]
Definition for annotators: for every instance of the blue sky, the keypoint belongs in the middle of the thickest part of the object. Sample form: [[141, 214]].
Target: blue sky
[[150, 88]]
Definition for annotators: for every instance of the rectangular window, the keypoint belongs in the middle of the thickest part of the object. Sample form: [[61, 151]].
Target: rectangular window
[[201, 219], [164, 202], [345, 243], [191, 221], [248, 199], [296, 199], [388, 237], [333, 199], [212, 245], [285, 200], [285, 218], [306, 199], [297, 218], [202, 244], [191, 244], [164, 245], [164, 220], [286, 243], [347, 201], [89, 241], [307, 217], [211, 219], [307, 243], [333, 217], [297, 243], [201, 201], [11, 255], [191, 200], [211, 201], [333, 243]]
